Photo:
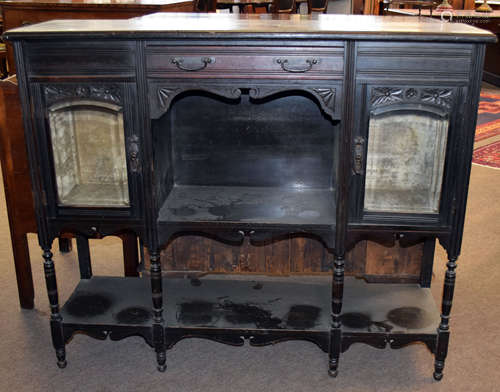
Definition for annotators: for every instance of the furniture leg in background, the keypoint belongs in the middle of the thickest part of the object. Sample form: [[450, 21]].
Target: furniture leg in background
[[65, 245]]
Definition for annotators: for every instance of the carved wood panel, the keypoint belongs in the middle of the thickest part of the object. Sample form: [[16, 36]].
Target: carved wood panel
[[107, 93], [161, 95]]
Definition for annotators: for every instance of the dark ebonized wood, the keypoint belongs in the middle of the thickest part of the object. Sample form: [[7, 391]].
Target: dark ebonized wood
[[55, 315], [264, 310], [281, 106]]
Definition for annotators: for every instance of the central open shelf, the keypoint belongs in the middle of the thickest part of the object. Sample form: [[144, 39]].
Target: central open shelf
[[260, 165], [259, 205]]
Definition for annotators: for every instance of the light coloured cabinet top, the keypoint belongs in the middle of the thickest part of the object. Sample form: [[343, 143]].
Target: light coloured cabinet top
[[293, 26]]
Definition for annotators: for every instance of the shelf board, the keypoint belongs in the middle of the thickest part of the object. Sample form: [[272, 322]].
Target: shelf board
[[109, 301], [393, 309], [258, 205], [254, 302], [209, 302], [262, 303]]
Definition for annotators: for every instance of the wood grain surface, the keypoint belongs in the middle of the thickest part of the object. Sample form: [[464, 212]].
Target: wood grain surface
[[292, 255]]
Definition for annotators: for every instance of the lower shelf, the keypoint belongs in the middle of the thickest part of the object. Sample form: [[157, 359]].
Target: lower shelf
[[227, 308], [109, 306], [109, 301], [388, 314], [262, 303]]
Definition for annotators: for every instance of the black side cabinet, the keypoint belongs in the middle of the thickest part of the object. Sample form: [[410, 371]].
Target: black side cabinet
[[345, 128]]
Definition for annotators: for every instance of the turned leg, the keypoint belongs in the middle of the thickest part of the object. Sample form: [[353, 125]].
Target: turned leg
[[336, 332], [157, 294], [55, 316], [444, 327]]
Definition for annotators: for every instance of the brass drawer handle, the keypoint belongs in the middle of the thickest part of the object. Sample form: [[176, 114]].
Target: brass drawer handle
[[287, 68], [179, 62]]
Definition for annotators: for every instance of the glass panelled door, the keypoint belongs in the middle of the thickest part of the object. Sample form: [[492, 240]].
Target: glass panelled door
[[87, 132], [406, 144], [405, 162], [89, 153]]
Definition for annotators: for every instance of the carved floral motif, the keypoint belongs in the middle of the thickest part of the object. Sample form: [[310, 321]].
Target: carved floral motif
[[107, 93], [389, 95], [411, 93], [386, 95], [438, 96]]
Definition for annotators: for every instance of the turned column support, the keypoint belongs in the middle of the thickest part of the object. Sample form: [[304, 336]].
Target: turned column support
[[444, 326], [336, 308], [158, 322], [55, 316]]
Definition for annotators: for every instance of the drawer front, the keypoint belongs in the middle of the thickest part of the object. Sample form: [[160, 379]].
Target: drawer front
[[245, 62], [400, 60], [81, 58]]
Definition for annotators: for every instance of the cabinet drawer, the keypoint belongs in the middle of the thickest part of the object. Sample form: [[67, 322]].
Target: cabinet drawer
[[245, 62], [400, 60], [67, 58]]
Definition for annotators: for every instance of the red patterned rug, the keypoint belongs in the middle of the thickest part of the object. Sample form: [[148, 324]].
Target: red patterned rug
[[487, 140]]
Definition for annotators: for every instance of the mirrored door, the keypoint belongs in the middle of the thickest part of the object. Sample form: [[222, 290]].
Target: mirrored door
[[400, 152], [405, 158], [88, 147]]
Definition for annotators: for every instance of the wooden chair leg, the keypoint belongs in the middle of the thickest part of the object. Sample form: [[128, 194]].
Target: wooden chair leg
[[23, 270]]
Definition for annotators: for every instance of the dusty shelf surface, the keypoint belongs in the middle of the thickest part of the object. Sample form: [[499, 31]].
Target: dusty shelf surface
[[249, 205], [254, 302]]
